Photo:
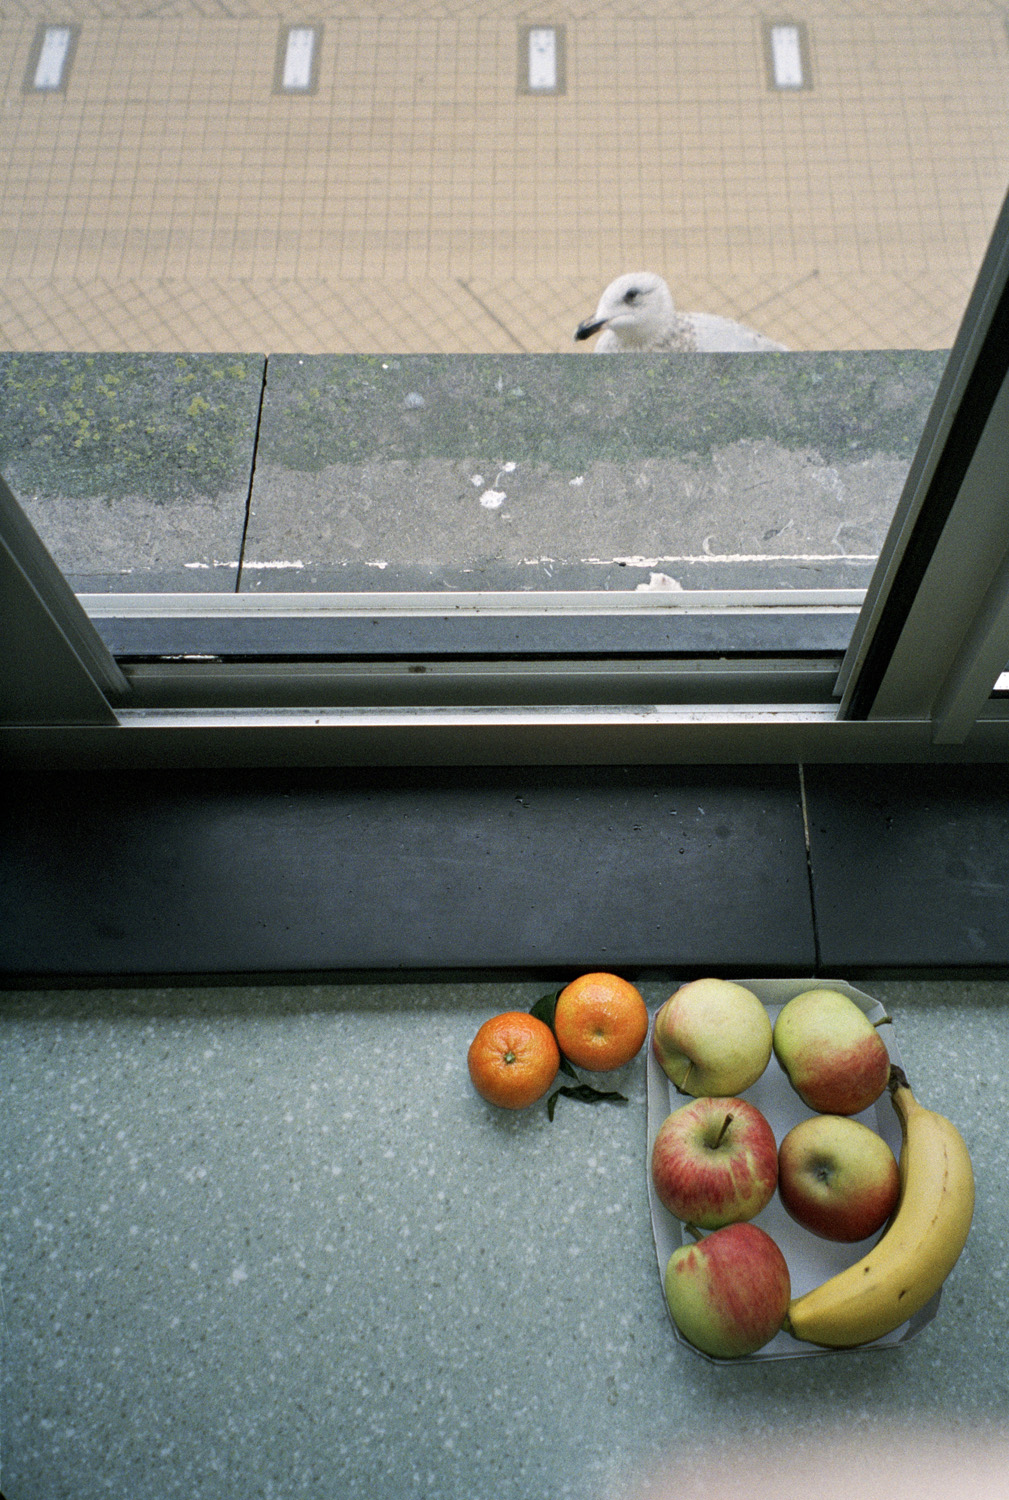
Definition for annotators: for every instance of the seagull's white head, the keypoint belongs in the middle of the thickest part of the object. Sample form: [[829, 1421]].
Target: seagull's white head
[[637, 308]]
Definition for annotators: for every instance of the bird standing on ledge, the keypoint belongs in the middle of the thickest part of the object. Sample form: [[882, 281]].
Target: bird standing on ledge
[[636, 314]]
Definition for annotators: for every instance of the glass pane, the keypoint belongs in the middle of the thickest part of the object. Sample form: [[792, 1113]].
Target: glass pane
[[295, 306], [542, 57]]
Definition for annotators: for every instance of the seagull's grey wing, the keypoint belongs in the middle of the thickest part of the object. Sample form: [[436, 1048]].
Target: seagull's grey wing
[[717, 335], [679, 337]]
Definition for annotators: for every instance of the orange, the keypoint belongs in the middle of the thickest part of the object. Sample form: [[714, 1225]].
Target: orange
[[513, 1059], [600, 1022]]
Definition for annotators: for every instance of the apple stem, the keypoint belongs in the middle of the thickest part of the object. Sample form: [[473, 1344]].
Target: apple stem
[[693, 1229], [884, 1021], [725, 1125]]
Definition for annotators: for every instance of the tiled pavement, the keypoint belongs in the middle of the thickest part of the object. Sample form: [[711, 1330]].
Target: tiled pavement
[[419, 201]]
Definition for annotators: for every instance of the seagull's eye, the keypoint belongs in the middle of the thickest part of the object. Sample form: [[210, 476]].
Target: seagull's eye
[[632, 295]]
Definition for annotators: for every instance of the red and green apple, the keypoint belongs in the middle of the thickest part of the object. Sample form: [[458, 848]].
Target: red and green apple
[[712, 1037], [729, 1292], [834, 1057], [715, 1162], [837, 1177]]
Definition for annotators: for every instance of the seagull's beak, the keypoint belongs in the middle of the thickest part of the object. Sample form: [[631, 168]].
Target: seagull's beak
[[589, 327]]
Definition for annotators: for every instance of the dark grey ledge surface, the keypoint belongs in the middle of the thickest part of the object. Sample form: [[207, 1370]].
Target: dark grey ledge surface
[[910, 865], [444, 870], [482, 870]]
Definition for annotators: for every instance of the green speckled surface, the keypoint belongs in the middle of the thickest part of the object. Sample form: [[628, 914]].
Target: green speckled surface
[[169, 426], [269, 1242], [133, 468], [555, 409]]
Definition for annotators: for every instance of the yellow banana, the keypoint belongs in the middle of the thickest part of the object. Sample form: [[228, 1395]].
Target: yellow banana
[[919, 1248]]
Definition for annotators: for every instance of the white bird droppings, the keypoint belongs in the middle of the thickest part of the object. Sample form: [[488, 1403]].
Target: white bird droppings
[[493, 499], [660, 582]]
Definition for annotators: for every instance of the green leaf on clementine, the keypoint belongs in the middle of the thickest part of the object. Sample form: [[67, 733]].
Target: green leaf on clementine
[[543, 1010]]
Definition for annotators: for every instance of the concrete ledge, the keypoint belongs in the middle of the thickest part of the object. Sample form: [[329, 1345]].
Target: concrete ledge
[[462, 471], [551, 471], [462, 869], [134, 469], [484, 870]]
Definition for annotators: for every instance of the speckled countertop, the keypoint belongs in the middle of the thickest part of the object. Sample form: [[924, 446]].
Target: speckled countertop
[[269, 1243]]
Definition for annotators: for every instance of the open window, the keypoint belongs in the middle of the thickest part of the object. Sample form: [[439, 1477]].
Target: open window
[[916, 672]]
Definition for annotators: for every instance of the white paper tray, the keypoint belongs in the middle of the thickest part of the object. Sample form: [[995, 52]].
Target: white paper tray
[[811, 1260]]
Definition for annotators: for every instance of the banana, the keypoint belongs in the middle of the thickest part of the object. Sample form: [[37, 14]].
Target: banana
[[917, 1251]]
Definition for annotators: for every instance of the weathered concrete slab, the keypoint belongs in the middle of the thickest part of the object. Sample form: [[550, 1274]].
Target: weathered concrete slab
[[133, 468], [559, 471], [459, 471]]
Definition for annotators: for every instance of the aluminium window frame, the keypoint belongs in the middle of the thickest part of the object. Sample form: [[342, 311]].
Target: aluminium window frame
[[716, 708], [920, 680], [932, 637]]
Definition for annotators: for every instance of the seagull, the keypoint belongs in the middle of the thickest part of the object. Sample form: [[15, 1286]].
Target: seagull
[[636, 313]]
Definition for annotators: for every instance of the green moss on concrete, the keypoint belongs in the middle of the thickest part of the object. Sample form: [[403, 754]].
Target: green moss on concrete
[[567, 410], [165, 426]]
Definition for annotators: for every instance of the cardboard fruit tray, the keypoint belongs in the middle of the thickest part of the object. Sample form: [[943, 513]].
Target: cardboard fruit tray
[[811, 1260]]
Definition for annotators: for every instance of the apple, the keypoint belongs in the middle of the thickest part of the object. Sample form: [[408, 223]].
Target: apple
[[837, 1177], [835, 1059], [728, 1293], [715, 1162], [712, 1037]]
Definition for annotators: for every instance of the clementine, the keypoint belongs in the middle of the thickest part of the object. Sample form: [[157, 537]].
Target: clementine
[[513, 1059], [600, 1022]]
